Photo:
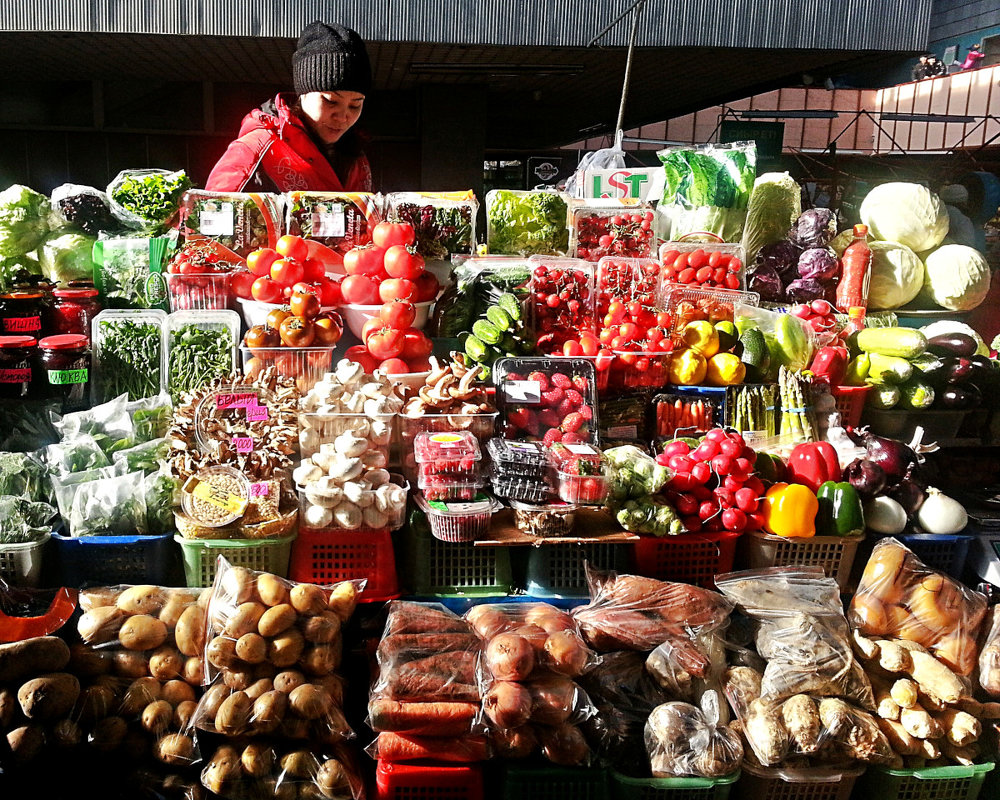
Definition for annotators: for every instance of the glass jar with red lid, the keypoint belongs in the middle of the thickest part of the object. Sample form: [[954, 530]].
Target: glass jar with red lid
[[23, 312], [17, 368], [74, 310], [65, 365]]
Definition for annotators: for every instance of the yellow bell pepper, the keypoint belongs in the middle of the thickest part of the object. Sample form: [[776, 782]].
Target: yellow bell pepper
[[790, 510]]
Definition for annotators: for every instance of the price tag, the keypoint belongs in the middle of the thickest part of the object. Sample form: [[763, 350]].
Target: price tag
[[260, 489], [528, 447], [217, 497], [256, 413], [224, 400], [217, 223], [447, 440], [586, 449], [243, 444], [620, 432], [329, 224], [522, 391]]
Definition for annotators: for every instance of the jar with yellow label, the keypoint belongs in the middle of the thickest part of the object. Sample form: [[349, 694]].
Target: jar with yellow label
[[65, 368]]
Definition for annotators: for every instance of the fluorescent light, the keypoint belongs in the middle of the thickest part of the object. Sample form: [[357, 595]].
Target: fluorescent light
[[894, 116], [788, 114]]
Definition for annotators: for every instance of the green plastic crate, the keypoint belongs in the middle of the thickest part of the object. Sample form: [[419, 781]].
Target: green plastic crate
[[554, 783], [765, 783], [558, 570], [262, 555], [930, 783], [624, 787]]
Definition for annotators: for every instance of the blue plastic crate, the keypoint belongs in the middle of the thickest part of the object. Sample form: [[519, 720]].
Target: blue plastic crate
[[117, 559], [941, 551], [557, 570]]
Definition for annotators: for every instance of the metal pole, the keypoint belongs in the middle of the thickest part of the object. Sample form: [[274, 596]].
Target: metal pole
[[628, 70]]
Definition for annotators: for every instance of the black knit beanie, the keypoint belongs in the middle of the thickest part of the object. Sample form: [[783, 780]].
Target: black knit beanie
[[331, 58]]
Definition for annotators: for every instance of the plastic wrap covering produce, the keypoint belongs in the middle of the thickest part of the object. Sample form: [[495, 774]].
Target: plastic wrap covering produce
[[241, 222], [146, 199], [338, 220], [685, 740], [82, 208], [801, 632], [531, 653], [445, 223], [526, 223], [899, 596]]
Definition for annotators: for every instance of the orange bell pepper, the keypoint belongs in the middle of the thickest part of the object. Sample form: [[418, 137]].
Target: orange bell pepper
[[790, 510]]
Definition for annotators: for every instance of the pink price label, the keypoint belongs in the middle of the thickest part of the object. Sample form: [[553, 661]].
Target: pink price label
[[243, 444], [224, 400], [256, 413], [259, 489]]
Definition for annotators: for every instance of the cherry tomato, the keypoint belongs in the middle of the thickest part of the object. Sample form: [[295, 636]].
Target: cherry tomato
[[360, 355], [305, 302], [571, 348], [287, 272], [297, 332], [329, 292], [388, 234], [427, 287], [329, 327], [262, 336], [265, 290], [365, 260], [259, 261], [396, 289], [240, 283], [416, 345], [394, 366], [276, 316], [293, 247], [385, 343], [403, 262], [398, 314], [359, 289]]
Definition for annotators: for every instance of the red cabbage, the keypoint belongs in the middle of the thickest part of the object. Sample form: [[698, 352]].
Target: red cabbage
[[765, 281], [815, 227], [819, 263], [805, 290]]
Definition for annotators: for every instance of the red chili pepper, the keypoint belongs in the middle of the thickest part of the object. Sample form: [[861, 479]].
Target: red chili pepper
[[813, 464], [830, 364]]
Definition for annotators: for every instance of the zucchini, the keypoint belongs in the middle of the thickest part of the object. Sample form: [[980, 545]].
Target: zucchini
[[499, 318], [898, 342], [886, 369], [486, 332], [884, 397], [916, 394]]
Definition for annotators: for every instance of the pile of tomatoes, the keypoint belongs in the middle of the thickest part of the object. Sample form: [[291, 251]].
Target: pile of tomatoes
[[702, 267], [272, 273], [300, 323], [620, 233]]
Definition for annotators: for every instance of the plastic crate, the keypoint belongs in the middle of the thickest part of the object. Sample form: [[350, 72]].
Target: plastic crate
[[929, 783], [21, 564], [115, 559], [460, 605], [427, 781], [694, 558], [937, 423], [850, 402], [624, 787], [557, 570], [327, 557], [801, 784], [835, 554], [263, 555], [550, 783], [943, 551], [430, 566]]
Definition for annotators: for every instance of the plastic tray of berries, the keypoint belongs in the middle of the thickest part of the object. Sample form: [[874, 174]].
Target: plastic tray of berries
[[703, 264], [686, 304], [525, 489], [621, 230], [437, 487], [554, 400], [562, 300], [524, 459], [453, 455]]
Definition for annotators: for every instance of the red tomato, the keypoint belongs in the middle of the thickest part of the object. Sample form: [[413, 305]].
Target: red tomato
[[330, 259], [394, 366], [297, 332], [241, 283], [360, 355], [329, 327], [427, 287], [416, 345], [305, 302], [287, 272], [403, 262], [359, 289], [313, 269], [266, 290], [366, 260], [419, 364], [329, 292], [396, 288], [262, 336], [385, 343], [387, 234], [259, 261], [293, 247], [398, 314], [371, 325], [276, 316]]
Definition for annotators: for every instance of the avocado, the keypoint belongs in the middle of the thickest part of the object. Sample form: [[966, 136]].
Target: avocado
[[755, 355]]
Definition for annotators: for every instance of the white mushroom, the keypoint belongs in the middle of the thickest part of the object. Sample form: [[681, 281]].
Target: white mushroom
[[345, 469], [380, 432], [318, 517], [348, 516], [308, 440], [349, 445], [306, 472], [325, 498], [348, 371], [373, 518], [378, 477], [356, 494], [374, 459], [322, 459]]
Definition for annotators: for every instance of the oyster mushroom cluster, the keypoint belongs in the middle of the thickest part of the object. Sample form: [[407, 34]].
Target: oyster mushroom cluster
[[449, 389]]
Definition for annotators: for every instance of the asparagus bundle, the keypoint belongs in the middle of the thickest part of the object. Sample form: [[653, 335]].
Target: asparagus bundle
[[796, 416], [753, 409]]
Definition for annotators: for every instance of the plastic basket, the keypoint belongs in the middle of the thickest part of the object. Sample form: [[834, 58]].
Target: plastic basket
[[263, 555], [929, 783], [21, 564], [549, 783], [427, 781], [557, 570], [307, 365], [850, 402], [327, 557], [946, 552], [115, 559], [804, 784], [687, 558], [835, 554], [624, 787]]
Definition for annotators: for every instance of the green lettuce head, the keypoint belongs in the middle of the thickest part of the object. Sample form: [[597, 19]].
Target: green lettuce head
[[23, 220]]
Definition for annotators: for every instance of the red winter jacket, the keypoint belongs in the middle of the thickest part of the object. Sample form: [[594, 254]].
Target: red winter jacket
[[275, 152]]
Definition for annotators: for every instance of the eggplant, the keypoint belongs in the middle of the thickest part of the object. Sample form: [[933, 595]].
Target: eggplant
[[959, 370], [934, 368], [952, 344], [961, 397]]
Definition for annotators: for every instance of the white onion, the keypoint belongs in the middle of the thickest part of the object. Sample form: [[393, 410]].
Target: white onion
[[885, 515], [942, 514]]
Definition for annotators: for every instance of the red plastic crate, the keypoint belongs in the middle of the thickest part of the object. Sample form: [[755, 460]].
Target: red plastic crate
[[694, 558], [850, 402], [327, 557], [427, 782]]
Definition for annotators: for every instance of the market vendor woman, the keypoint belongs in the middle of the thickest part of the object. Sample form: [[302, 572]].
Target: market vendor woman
[[306, 140]]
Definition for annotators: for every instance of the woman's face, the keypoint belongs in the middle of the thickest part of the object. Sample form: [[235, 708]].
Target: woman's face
[[331, 114]]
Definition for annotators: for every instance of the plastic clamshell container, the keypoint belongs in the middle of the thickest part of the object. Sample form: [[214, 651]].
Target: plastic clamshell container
[[340, 220], [481, 425], [318, 428], [589, 222], [227, 517], [552, 274], [439, 451], [492, 229], [103, 360], [459, 522], [255, 312], [235, 219], [582, 489], [201, 557], [307, 365], [638, 369], [429, 243], [674, 249], [688, 303], [222, 322], [550, 519], [21, 562], [198, 292], [309, 496], [627, 279], [517, 459], [525, 489], [437, 488]]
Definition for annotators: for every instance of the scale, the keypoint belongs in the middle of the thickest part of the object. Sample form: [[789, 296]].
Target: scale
[[983, 507]]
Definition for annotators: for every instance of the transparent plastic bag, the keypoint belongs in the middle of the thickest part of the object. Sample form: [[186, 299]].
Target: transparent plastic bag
[[632, 474], [78, 454], [82, 208], [66, 486], [109, 423], [128, 271], [145, 199], [989, 657], [162, 494], [240, 221], [109, 507], [445, 222], [451, 749], [23, 520], [684, 740], [26, 475], [604, 158], [790, 341], [663, 664], [900, 596], [151, 417]]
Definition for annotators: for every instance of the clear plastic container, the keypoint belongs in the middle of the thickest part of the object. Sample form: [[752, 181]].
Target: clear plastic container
[[688, 303], [445, 222], [518, 459], [124, 370], [627, 279], [375, 513], [453, 456], [241, 221], [202, 292], [243, 415], [525, 489], [307, 365], [340, 220], [570, 281], [638, 369], [730, 258], [576, 457], [317, 429], [215, 496], [459, 522], [686, 414], [437, 488], [581, 473], [180, 376], [616, 228], [512, 234], [543, 521], [481, 425]]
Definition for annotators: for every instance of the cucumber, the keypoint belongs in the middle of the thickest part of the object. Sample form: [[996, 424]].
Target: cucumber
[[475, 349], [486, 332], [511, 306], [898, 342], [916, 394], [884, 397], [499, 318], [887, 369]]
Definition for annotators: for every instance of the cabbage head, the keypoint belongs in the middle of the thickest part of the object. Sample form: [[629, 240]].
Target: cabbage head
[[23, 220], [897, 276], [67, 256], [907, 213], [956, 277]]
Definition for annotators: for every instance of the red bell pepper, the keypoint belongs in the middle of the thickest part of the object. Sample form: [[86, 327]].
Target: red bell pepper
[[813, 464], [830, 364]]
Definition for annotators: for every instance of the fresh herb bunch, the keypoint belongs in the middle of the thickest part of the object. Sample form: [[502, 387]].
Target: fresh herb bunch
[[440, 231], [25, 475], [152, 423], [24, 521], [109, 507], [124, 275], [160, 489], [151, 196], [197, 355], [78, 454], [129, 358], [146, 457]]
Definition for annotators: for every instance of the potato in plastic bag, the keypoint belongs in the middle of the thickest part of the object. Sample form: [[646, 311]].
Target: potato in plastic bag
[[686, 741]]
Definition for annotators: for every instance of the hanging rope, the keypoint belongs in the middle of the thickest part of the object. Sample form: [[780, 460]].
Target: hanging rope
[[636, 13]]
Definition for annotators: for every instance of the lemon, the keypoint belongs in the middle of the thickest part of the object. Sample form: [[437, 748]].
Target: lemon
[[687, 368], [725, 369], [702, 336]]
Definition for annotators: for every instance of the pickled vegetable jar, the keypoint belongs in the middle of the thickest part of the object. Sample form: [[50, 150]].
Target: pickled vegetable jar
[[17, 373], [74, 310], [65, 365], [23, 312]]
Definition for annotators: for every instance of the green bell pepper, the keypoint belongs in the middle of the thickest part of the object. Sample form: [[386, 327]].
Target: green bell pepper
[[857, 370], [840, 512]]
